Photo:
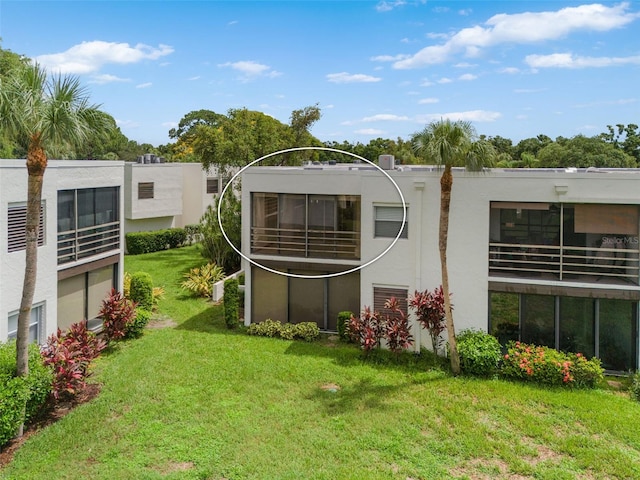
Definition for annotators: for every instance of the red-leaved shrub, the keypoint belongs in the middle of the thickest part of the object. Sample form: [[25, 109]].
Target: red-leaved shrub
[[366, 330], [70, 354], [429, 309], [117, 313], [396, 327]]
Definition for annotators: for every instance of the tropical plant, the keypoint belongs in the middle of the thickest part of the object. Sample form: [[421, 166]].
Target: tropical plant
[[48, 116], [214, 245], [200, 280], [230, 300], [430, 312], [480, 353], [366, 330], [396, 327], [117, 312], [448, 144]]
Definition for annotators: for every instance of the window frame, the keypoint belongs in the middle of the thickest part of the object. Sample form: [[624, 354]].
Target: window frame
[[39, 310], [404, 235]]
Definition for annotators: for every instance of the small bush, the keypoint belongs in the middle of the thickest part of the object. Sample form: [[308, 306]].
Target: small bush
[[117, 312], [141, 290], [547, 366], [13, 395], [193, 233], [126, 284], [230, 299], [396, 327], [158, 294], [343, 323], [307, 331], [480, 353], [200, 280], [241, 279], [288, 331], [136, 327], [176, 237], [634, 390], [267, 328], [70, 354], [147, 242]]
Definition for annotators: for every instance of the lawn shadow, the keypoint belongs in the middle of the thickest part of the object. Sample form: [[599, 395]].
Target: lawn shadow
[[210, 320]]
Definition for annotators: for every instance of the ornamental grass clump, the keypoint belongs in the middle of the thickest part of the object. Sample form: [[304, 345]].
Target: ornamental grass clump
[[547, 366]]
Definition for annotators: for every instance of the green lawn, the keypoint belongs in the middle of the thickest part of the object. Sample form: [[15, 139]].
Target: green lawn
[[199, 402]]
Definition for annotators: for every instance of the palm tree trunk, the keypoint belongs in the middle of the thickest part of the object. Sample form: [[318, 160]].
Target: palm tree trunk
[[446, 182], [36, 165]]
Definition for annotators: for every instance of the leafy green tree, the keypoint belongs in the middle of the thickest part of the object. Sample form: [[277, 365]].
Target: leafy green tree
[[214, 246], [581, 151], [47, 116], [449, 144], [626, 138]]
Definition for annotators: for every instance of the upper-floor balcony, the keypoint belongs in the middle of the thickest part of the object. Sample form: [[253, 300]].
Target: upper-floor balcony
[[309, 226], [569, 242]]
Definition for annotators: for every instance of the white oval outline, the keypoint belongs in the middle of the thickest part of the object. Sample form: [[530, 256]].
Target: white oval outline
[[327, 275]]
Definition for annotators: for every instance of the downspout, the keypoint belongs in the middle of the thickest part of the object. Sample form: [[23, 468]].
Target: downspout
[[419, 188]]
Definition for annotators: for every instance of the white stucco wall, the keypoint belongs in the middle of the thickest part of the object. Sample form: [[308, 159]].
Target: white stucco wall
[[167, 190], [414, 263]]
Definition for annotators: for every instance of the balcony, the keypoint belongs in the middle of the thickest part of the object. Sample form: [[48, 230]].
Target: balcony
[[569, 263], [74, 245], [306, 243]]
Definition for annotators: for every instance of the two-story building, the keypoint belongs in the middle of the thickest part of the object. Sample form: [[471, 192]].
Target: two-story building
[[547, 256]]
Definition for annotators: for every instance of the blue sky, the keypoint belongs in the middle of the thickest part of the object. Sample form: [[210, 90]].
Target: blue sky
[[376, 68]]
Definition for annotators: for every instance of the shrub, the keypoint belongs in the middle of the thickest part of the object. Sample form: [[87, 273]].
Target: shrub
[[13, 395], [634, 389], [136, 327], [343, 323], [193, 233], [29, 393], [141, 290], [158, 294], [241, 279], [429, 309], [230, 299], [479, 353], [200, 280], [147, 242], [287, 331], [117, 313], [70, 354], [547, 366], [267, 328], [175, 237], [126, 284], [396, 327], [307, 331], [366, 330]]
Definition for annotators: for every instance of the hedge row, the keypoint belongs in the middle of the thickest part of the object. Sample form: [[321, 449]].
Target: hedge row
[[147, 242]]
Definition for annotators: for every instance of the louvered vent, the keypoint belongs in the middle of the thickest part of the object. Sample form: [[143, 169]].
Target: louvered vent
[[16, 224]]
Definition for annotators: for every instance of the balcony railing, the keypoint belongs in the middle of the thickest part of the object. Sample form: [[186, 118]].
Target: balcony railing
[[77, 244], [306, 243], [609, 265]]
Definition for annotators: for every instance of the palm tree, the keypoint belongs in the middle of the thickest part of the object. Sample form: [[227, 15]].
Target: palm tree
[[451, 144], [48, 116]]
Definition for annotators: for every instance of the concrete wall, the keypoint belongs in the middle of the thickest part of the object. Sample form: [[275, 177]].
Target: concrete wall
[[167, 195]]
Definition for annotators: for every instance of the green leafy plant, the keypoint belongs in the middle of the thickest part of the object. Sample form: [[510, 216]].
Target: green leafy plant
[[547, 366], [230, 301], [117, 312], [343, 323], [267, 328], [141, 290], [200, 280], [480, 353], [147, 242], [634, 389], [136, 326], [366, 330], [307, 331]]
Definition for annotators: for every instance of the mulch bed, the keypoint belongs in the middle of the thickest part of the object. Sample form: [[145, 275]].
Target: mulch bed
[[51, 415]]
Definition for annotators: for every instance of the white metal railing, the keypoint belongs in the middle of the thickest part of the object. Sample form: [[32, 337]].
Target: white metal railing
[[565, 263], [85, 242], [305, 243]]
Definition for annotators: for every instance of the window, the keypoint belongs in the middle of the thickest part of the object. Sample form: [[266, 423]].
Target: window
[[145, 190], [212, 185], [382, 294], [388, 221], [35, 324], [16, 223]]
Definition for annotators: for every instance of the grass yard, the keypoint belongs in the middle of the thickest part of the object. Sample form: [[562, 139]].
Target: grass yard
[[197, 401]]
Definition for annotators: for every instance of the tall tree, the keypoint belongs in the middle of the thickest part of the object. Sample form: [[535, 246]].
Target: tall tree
[[49, 116], [451, 144]]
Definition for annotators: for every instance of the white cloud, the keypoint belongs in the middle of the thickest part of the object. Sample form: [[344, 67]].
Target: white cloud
[[426, 83], [509, 70], [197, 77], [622, 101], [385, 117], [251, 70], [471, 116], [144, 85], [344, 77], [568, 60], [528, 27], [370, 131], [127, 123], [89, 57], [467, 77], [465, 12], [106, 78], [427, 101], [465, 65], [388, 58], [233, 22], [444, 80], [386, 6]]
